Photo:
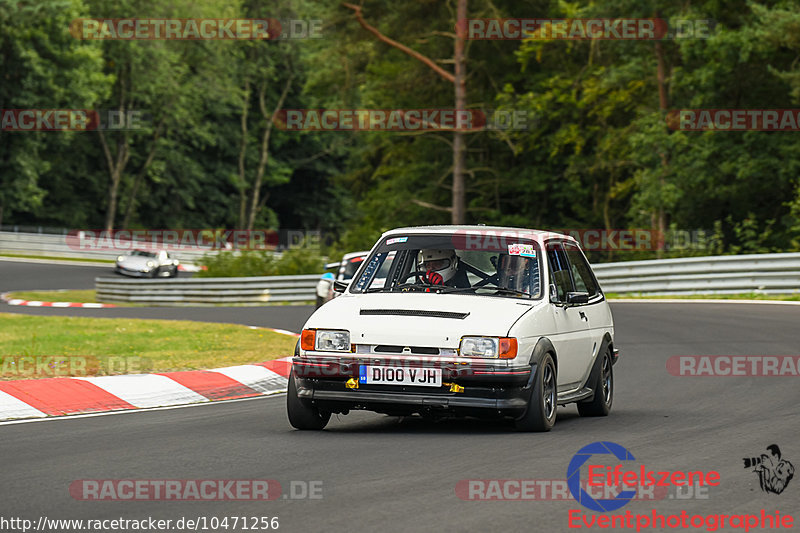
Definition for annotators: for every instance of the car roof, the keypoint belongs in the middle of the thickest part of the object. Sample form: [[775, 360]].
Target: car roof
[[448, 228], [351, 255]]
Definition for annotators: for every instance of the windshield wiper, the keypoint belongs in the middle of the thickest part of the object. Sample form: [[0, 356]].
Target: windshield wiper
[[419, 286], [515, 292], [448, 290]]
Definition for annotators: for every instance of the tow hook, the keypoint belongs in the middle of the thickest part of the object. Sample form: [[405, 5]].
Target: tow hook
[[454, 387]]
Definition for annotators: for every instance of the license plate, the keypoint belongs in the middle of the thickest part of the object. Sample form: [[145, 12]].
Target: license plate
[[390, 375]]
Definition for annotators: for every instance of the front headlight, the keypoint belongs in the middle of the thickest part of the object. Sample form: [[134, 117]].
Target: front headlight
[[150, 264], [492, 347], [120, 259], [329, 340]]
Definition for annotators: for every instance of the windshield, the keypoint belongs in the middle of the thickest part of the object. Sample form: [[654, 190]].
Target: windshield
[[452, 264], [142, 253]]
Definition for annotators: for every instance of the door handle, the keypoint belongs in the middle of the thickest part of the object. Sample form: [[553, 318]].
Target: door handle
[[583, 316]]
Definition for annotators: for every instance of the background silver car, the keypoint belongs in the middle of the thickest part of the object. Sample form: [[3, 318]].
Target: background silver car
[[147, 264]]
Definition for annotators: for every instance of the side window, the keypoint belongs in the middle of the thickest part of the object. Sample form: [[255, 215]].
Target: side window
[[559, 271], [581, 271]]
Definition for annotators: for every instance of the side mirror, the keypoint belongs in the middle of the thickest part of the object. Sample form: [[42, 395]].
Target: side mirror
[[340, 286], [577, 298]]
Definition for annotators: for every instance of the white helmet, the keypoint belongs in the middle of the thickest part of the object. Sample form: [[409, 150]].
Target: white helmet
[[445, 262]]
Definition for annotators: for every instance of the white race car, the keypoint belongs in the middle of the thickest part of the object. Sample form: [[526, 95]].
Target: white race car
[[460, 320], [148, 264]]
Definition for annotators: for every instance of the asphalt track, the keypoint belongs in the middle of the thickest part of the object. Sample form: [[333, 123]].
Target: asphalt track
[[35, 276], [19, 275], [399, 474], [24, 276]]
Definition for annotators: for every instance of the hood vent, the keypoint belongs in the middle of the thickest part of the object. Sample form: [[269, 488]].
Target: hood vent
[[413, 312]]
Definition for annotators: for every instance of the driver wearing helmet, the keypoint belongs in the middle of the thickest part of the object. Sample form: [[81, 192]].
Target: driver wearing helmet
[[443, 267]]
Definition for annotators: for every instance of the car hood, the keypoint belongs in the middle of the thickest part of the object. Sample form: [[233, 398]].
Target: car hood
[[135, 261], [419, 319]]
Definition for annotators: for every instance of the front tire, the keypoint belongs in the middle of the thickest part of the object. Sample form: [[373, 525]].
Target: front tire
[[302, 416], [541, 412], [603, 386]]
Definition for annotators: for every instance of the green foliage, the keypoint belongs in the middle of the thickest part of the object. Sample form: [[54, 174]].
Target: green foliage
[[598, 152], [43, 67], [302, 259]]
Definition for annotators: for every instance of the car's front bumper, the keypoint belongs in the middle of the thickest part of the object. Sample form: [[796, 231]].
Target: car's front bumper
[[134, 273], [480, 389]]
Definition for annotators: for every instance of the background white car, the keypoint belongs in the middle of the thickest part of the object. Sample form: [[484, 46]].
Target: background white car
[[339, 271], [147, 263], [463, 320]]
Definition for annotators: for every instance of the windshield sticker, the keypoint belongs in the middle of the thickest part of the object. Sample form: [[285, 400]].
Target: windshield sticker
[[525, 250], [396, 240]]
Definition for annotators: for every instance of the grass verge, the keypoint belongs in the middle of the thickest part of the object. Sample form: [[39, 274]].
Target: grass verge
[[743, 296], [90, 296], [103, 346], [58, 258]]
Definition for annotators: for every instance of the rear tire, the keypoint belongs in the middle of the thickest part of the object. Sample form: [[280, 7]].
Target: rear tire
[[603, 386], [301, 415], [542, 406]]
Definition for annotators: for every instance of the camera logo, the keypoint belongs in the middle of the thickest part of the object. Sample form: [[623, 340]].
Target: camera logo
[[773, 472]]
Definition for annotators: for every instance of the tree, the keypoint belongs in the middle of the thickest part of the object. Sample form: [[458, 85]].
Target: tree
[[458, 79], [43, 67]]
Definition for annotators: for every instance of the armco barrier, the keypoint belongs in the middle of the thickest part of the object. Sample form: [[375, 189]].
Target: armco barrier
[[53, 245], [208, 291], [721, 274], [765, 273]]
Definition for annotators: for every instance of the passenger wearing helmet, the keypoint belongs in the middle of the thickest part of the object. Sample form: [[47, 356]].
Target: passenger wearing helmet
[[442, 267]]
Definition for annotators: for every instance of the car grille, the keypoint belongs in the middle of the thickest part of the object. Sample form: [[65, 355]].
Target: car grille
[[392, 349], [414, 312], [416, 350]]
